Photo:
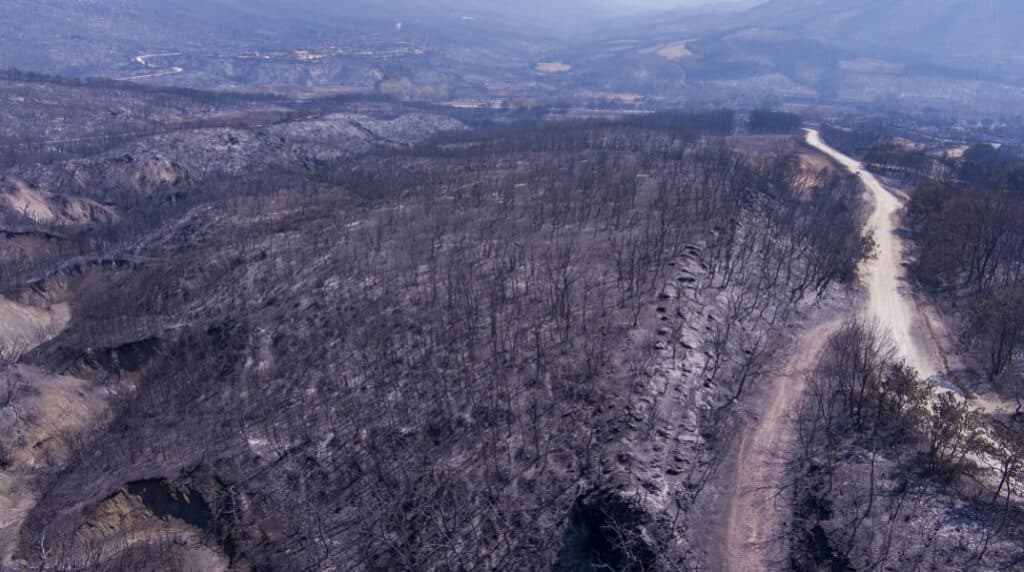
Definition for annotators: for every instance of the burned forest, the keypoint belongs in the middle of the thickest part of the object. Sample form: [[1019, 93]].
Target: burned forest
[[508, 347], [470, 286]]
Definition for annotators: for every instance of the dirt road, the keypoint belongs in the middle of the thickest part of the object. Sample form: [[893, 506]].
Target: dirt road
[[889, 300], [144, 60], [756, 515], [756, 522]]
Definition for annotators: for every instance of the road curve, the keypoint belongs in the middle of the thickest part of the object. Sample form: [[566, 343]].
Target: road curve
[[758, 518], [143, 60], [889, 301]]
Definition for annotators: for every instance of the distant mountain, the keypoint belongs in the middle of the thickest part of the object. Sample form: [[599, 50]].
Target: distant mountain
[[903, 54], [206, 38], [959, 31], [95, 37]]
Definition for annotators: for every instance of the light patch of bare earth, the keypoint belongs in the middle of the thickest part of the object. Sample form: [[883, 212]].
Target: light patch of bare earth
[[956, 152], [124, 520], [29, 202], [35, 429], [44, 207], [815, 166], [626, 98], [815, 162], [553, 67], [24, 327], [39, 432], [871, 65], [44, 408], [675, 51]]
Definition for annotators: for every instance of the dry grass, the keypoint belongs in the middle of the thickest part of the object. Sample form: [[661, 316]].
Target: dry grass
[[816, 162], [674, 51], [815, 165]]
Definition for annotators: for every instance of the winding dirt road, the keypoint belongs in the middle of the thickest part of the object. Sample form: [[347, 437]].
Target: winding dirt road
[[889, 300], [144, 61], [757, 522]]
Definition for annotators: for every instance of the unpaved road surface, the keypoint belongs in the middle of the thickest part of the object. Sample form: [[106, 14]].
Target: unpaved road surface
[[889, 301], [758, 517], [144, 60]]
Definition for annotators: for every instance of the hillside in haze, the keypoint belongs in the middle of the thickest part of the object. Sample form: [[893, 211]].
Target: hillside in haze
[[958, 31], [948, 54], [103, 39]]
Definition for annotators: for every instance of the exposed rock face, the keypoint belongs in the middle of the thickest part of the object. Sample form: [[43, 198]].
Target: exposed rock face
[[41, 206], [156, 511]]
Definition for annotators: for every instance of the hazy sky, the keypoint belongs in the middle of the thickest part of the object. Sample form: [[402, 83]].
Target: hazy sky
[[658, 4], [628, 6]]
